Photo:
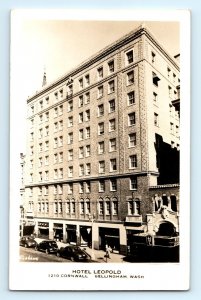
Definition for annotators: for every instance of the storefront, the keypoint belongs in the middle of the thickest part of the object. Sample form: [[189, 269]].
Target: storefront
[[43, 230], [58, 231], [109, 236], [85, 235], [71, 234]]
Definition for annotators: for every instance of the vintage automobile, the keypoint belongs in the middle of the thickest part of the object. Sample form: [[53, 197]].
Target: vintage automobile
[[47, 246], [27, 242], [74, 253]]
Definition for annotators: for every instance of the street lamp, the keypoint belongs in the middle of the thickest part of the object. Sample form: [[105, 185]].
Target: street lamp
[[92, 219]]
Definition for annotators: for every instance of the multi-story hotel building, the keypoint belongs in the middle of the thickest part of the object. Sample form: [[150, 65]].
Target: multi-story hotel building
[[103, 147]]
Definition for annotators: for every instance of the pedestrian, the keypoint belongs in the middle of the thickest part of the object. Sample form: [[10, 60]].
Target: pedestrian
[[108, 251]]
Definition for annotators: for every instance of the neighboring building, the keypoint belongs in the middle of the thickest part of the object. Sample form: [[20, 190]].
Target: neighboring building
[[100, 141]]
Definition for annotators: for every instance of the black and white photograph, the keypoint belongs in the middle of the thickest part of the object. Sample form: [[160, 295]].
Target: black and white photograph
[[99, 172]]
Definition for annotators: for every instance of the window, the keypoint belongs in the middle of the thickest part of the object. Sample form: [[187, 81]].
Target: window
[[156, 123], [31, 164], [81, 134], [112, 125], [129, 57], [46, 145], [68, 207], [168, 72], [70, 154], [47, 101], [88, 169], [40, 191], [153, 57], [70, 105], [61, 94], [81, 117], [100, 91], [60, 173], [47, 116], [81, 152], [39, 207], [113, 185], [56, 96], [31, 136], [88, 150], [32, 109], [88, 208], [88, 187], [40, 147], [70, 121], [101, 147], [41, 104], [101, 186], [87, 98], [101, 210], [70, 138], [174, 78], [81, 207], [100, 73], [56, 112], [40, 161], [55, 173], [102, 166], [171, 110], [60, 110], [81, 83], [107, 208], [55, 158], [133, 183], [70, 90], [70, 171], [47, 131], [30, 192], [111, 66], [100, 110], [46, 175], [87, 132], [169, 91], [131, 119], [132, 139], [111, 86], [61, 125], [40, 176], [81, 101], [130, 77], [55, 126], [131, 98], [61, 157], [73, 207], [81, 170], [155, 79], [81, 187], [87, 115], [177, 130], [70, 188], [115, 208], [101, 128], [46, 160], [155, 97], [134, 207], [111, 105], [60, 207], [113, 164], [87, 80], [133, 161], [41, 118], [112, 144], [171, 128], [55, 207], [32, 122], [55, 142]]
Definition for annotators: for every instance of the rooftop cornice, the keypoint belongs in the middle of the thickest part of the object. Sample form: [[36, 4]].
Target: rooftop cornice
[[139, 31]]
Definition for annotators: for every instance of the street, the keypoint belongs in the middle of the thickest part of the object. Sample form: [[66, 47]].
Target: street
[[31, 255]]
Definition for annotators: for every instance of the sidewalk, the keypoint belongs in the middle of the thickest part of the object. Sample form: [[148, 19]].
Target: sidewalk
[[99, 254]]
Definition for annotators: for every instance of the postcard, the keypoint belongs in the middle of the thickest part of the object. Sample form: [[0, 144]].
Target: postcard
[[99, 150]]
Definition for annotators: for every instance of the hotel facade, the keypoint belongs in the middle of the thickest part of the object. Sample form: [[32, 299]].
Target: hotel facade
[[102, 158]]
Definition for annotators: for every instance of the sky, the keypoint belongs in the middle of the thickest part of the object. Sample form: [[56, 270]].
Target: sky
[[57, 46]]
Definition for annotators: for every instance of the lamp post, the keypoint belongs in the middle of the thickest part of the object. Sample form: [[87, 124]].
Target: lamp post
[[92, 219]]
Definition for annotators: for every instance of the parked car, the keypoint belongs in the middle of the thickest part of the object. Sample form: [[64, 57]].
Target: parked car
[[48, 246], [27, 242], [74, 253]]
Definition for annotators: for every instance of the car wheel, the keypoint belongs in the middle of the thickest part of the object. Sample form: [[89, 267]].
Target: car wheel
[[58, 254], [47, 251], [36, 248], [25, 246], [72, 258]]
